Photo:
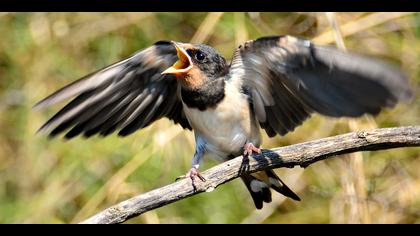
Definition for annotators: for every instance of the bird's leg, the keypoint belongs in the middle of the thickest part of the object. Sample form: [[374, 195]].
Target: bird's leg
[[249, 148], [193, 172]]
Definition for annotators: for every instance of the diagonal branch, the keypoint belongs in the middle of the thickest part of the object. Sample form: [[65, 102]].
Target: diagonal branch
[[302, 154]]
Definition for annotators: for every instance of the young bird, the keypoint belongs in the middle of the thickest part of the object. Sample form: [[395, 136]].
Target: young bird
[[273, 83]]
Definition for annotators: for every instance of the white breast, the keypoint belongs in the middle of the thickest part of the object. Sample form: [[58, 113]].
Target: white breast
[[226, 127]]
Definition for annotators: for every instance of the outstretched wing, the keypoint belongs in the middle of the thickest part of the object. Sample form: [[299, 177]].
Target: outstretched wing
[[289, 78], [125, 96]]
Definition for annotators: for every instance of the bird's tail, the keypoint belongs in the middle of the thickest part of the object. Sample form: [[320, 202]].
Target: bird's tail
[[259, 184]]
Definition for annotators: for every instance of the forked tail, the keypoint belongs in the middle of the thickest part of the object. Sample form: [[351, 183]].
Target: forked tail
[[259, 184]]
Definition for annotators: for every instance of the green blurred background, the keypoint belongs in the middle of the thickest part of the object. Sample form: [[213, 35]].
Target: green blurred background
[[57, 181]]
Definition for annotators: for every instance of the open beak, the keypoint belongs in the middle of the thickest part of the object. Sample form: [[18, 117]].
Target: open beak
[[183, 65]]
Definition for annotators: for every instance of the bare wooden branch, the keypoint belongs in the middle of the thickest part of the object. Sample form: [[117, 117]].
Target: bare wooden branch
[[302, 154]]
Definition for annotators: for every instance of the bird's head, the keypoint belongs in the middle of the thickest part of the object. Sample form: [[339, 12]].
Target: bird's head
[[196, 64]]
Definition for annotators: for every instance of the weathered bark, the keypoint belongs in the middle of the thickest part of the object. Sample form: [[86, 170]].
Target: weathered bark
[[302, 154]]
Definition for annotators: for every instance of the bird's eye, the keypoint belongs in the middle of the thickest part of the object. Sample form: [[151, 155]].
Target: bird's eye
[[200, 56]]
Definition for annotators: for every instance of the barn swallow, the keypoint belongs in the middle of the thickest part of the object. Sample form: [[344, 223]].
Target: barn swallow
[[271, 84]]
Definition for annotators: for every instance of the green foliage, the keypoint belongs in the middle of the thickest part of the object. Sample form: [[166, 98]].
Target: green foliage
[[57, 181]]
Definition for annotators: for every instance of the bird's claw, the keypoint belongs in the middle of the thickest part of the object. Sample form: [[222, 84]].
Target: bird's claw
[[192, 173], [249, 148]]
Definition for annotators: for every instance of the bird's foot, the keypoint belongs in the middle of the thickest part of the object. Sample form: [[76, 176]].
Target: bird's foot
[[249, 148], [192, 173]]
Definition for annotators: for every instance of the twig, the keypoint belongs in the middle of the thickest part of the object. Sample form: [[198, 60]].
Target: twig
[[120, 176], [302, 154]]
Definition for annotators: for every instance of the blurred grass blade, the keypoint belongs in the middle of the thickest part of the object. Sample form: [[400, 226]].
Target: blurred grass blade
[[206, 28], [241, 33], [359, 25], [355, 184]]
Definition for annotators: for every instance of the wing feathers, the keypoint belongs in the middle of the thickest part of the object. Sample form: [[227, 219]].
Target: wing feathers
[[127, 95], [289, 78]]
